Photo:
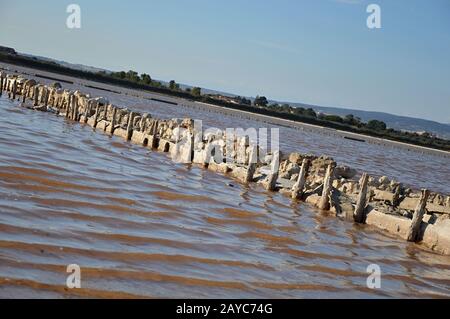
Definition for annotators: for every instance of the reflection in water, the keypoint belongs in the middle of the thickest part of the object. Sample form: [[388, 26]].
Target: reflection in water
[[140, 225]]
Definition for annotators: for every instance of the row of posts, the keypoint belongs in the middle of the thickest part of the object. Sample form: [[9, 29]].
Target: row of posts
[[297, 192], [361, 208]]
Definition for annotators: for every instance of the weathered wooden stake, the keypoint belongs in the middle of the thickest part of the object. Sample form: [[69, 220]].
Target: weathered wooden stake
[[113, 120], [156, 128], [252, 161], [274, 167], [324, 202], [35, 95], [130, 125], [359, 215], [105, 114], [142, 122], [72, 108], [87, 111], [14, 89], [299, 186], [1, 84], [25, 93], [69, 106], [46, 96], [97, 110], [396, 198], [75, 108], [414, 228], [176, 150]]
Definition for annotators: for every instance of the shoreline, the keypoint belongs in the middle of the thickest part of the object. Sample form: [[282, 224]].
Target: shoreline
[[294, 124], [227, 110]]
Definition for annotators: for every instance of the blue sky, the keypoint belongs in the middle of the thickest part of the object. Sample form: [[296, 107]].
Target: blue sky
[[312, 51]]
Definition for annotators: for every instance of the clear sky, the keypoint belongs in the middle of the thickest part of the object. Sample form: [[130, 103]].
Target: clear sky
[[312, 51]]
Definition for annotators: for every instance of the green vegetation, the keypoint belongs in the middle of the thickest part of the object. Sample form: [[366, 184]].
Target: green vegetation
[[260, 101], [196, 91], [260, 105]]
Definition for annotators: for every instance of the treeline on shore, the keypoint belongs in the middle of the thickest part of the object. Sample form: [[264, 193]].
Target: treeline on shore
[[260, 104]]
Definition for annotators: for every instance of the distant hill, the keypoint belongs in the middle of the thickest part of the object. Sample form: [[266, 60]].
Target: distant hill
[[393, 121], [73, 66]]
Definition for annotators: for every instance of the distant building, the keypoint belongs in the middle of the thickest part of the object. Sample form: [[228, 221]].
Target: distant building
[[425, 133], [223, 98], [7, 50]]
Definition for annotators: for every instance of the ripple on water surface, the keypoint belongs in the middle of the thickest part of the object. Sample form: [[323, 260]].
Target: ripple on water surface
[[140, 225]]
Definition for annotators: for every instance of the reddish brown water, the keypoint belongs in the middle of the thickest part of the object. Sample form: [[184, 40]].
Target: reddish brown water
[[140, 225]]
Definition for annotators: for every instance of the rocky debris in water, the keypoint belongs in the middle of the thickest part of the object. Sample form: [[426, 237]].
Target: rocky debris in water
[[406, 214], [383, 183], [287, 169], [343, 171]]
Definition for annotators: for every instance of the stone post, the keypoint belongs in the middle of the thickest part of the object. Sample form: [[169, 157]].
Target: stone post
[[143, 122], [324, 202], [130, 125], [69, 106], [113, 119], [252, 161], [35, 95], [359, 215], [14, 89], [46, 96], [25, 93], [87, 111], [75, 108], [1, 84], [97, 110], [274, 167], [414, 229], [299, 186]]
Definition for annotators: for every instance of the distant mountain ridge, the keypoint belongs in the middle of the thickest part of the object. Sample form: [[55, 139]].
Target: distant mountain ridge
[[393, 121], [74, 66]]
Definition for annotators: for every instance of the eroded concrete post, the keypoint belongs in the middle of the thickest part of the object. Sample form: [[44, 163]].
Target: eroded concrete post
[[14, 89], [153, 132], [1, 84], [252, 161], [188, 149], [274, 167], [69, 106], [130, 125], [87, 111], [143, 122], [113, 120], [359, 215], [105, 113], [299, 186], [396, 198], [25, 93], [324, 202], [75, 108], [414, 229], [35, 95], [72, 108], [97, 110], [46, 96]]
